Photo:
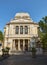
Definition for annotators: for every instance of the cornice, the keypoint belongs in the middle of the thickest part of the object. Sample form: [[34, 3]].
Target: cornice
[[22, 23]]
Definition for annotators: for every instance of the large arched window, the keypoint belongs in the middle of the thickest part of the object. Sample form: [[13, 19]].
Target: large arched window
[[21, 29], [17, 30], [26, 29]]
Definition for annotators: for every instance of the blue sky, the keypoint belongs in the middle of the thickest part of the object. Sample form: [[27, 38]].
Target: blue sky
[[8, 8]]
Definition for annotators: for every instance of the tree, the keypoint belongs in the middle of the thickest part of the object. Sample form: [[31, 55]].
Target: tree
[[44, 41], [43, 24], [1, 37], [43, 31]]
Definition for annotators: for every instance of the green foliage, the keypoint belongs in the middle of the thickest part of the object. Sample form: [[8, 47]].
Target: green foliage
[[43, 31], [1, 36], [5, 51], [33, 52], [8, 48], [40, 34], [44, 41], [43, 24], [33, 49]]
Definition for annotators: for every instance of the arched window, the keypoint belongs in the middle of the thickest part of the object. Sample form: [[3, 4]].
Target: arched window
[[17, 30], [21, 29], [26, 29]]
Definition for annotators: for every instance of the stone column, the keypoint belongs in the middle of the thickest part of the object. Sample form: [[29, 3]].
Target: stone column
[[18, 45], [23, 45], [13, 45], [19, 29], [28, 44]]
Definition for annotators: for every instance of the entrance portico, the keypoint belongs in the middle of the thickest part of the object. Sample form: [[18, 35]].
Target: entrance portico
[[20, 44]]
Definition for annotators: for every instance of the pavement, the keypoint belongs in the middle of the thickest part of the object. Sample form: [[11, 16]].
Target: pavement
[[25, 60]]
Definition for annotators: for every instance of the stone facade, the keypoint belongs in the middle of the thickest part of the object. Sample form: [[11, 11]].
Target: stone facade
[[19, 31]]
